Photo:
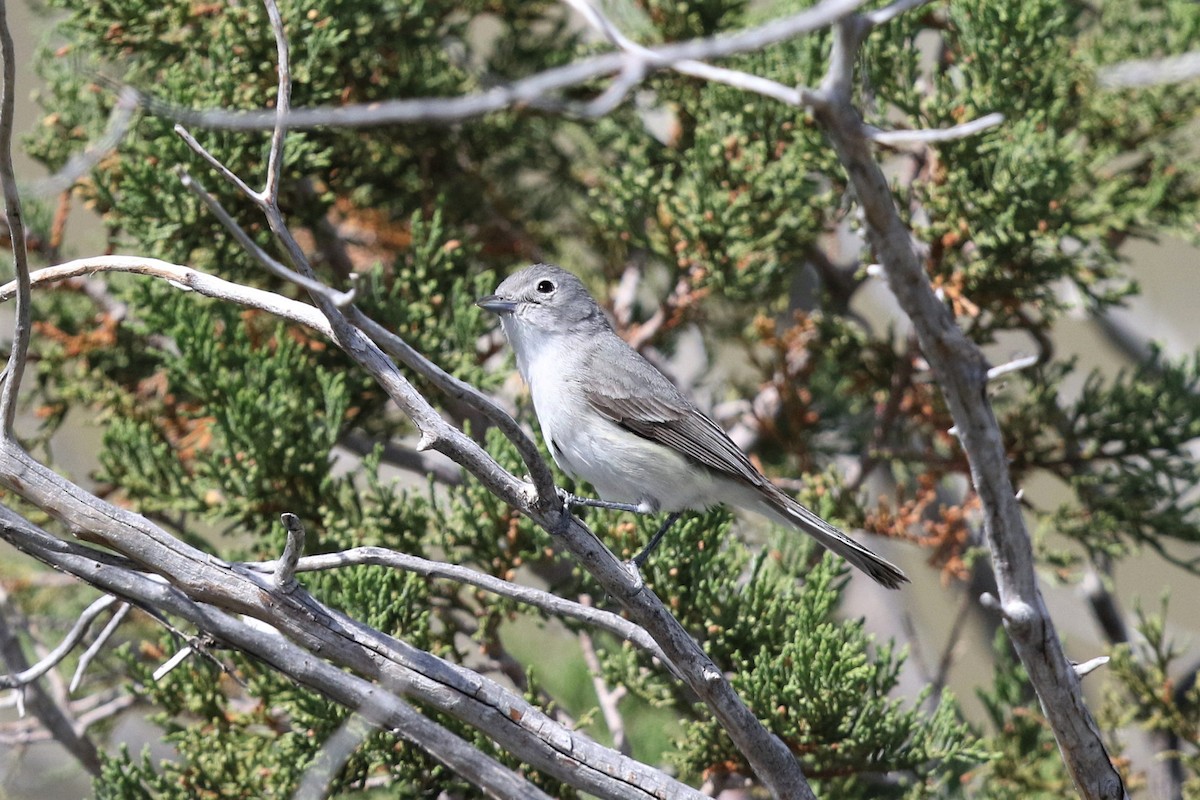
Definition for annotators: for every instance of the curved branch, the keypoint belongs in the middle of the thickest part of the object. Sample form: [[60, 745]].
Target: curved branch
[[377, 705], [16, 231], [960, 131], [962, 374], [550, 603], [55, 656], [204, 590], [94, 648], [533, 90]]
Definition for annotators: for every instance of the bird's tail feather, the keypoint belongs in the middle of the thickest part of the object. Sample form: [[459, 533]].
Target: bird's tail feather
[[784, 510]]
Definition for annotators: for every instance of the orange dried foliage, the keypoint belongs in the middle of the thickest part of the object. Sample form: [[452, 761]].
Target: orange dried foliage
[[685, 297], [945, 531], [721, 769], [186, 432], [76, 345], [791, 371], [952, 290], [260, 330]]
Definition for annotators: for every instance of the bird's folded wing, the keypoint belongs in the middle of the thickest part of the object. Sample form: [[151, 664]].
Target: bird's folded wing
[[644, 402]]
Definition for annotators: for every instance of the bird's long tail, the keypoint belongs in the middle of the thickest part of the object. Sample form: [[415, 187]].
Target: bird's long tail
[[782, 509]]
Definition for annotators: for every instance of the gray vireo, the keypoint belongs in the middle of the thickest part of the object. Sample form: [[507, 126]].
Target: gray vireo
[[611, 418]]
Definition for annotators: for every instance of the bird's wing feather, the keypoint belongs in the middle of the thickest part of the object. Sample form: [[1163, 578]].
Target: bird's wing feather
[[640, 399]]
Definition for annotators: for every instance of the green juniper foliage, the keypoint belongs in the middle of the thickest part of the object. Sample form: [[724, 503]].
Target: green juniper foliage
[[1149, 696], [821, 683], [216, 419], [1136, 489]]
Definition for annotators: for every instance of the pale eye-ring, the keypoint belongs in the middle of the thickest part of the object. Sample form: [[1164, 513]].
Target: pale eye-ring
[[545, 287]]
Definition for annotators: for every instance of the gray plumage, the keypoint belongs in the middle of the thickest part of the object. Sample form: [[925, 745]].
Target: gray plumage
[[611, 418]]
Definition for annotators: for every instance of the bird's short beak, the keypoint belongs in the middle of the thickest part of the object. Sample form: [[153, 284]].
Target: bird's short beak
[[496, 304]]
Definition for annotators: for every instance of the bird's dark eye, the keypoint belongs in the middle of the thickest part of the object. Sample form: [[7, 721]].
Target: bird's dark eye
[[545, 287]]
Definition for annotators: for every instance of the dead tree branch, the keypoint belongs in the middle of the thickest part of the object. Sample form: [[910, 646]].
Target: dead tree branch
[[962, 374]]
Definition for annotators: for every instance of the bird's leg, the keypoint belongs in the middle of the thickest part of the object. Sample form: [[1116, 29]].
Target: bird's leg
[[572, 500], [641, 557]]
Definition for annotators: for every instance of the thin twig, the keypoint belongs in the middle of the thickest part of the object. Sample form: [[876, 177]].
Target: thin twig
[[283, 102], [214, 162], [82, 163], [625, 294], [1151, 71], [105, 710], [171, 663], [892, 10], [640, 58], [1016, 365], [16, 231], [284, 575], [73, 637], [183, 278], [898, 386], [430, 465], [791, 95], [335, 751], [1105, 607], [632, 74], [548, 602], [950, 651], [609, 699], [593, 17], [89, 711], [526, 92], [1089, 666], [193, 185], [960, 131], [95, 647]]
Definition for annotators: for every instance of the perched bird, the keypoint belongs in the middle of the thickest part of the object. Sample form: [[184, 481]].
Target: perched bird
[[611, 418]]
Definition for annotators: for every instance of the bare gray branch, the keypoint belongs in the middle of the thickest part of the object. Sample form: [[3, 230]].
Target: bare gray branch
[[1151, 71], [961, 372], [69, 642], [535, 90], [552, 604], [16, 231]]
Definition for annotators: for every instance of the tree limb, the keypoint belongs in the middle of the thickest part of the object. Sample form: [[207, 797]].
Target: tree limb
[[56, 718], [69, 642], [380, 706], [533, 90], [550, 603], [205, 590], [961, 372], [16, 231]]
